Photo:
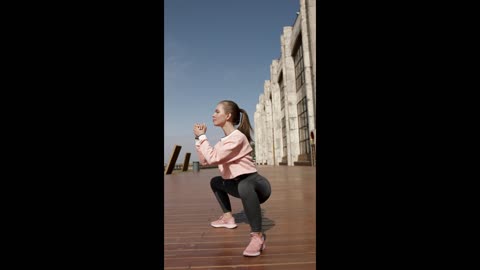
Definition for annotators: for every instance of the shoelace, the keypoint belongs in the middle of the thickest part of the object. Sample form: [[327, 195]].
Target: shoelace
[[221, 219], [259, 239]]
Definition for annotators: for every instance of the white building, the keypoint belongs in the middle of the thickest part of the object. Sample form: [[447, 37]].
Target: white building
[[285, 113]]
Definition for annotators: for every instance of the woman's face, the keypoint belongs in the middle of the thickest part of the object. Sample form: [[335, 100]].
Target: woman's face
[[219, 116]]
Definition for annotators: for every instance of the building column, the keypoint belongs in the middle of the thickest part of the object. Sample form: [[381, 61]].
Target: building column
[[268, 123], [260, 131], [258, 134], [263, 129], [275, 69], [293, 146]]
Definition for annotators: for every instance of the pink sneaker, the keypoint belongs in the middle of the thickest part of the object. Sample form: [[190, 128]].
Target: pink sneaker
[[257, 244], [226, 223]]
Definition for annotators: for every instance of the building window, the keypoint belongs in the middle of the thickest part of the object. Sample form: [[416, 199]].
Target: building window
[[284, 136], [282, 91], [304, 134], [299, 68], [303, 130]]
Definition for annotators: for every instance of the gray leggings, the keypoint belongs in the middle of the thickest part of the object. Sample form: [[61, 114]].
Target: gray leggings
[[253, 189]]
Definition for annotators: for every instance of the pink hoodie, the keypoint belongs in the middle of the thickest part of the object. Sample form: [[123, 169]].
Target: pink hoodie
[[231, 153]]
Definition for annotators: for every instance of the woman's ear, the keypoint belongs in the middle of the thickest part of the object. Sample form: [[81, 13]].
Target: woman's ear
[[229, 115]]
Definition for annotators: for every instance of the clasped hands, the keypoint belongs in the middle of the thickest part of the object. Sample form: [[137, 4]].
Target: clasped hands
[[199, 129]]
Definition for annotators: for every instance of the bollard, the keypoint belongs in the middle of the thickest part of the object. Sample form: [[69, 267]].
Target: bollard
[[196, 166]]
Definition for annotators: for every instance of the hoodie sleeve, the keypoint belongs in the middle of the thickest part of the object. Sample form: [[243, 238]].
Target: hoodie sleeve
[[201, 157], [225, 151]]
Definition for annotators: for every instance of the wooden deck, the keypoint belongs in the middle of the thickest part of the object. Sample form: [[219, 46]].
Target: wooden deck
[[288, 220]]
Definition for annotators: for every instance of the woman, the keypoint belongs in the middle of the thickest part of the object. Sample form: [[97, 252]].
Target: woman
[[239, 176]]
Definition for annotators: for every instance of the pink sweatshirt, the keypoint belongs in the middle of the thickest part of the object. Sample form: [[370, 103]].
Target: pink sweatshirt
[[231, 153]]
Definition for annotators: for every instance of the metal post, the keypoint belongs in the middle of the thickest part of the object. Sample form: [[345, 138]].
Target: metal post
[[196, 166]]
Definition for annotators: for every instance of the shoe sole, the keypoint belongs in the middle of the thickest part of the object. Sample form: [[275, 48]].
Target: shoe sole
[[229, 226], [255, 254]]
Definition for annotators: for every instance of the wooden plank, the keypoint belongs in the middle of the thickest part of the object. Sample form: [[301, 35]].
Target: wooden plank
[[173, 159], [288, 217], [278, 266], [240, 260], [272, 249], [186, 161]]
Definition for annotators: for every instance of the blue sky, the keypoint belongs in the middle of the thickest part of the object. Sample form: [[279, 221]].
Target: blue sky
[[216, 50]]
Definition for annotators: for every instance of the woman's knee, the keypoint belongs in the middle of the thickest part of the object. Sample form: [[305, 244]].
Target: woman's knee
[[263, 189], [215, 181]]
